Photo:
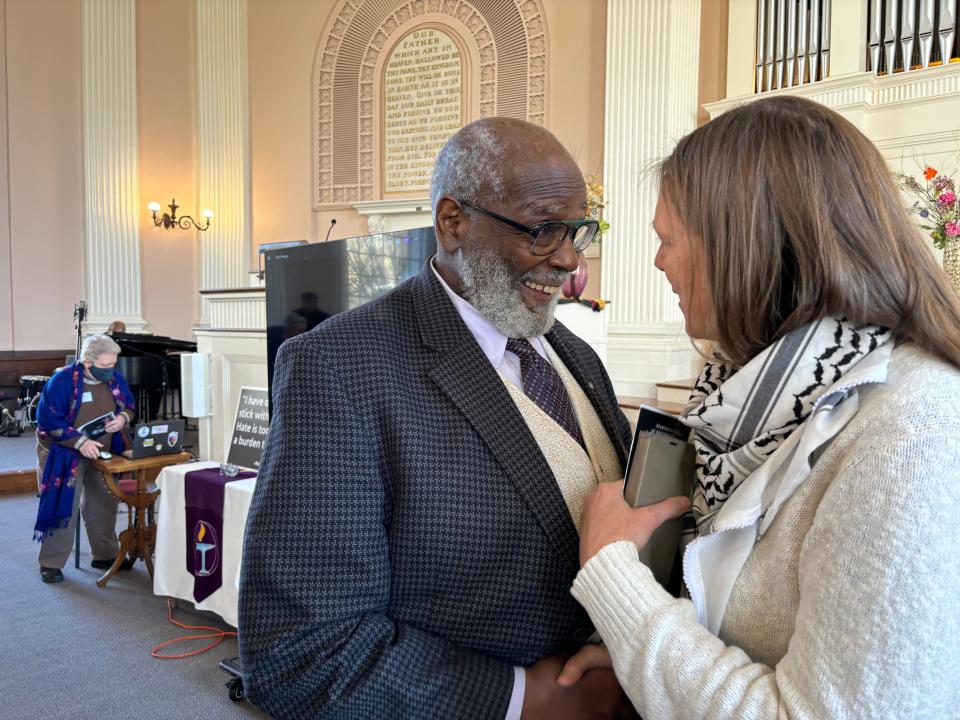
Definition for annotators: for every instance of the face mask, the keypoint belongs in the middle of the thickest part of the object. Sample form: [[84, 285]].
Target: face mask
[[102, 374]]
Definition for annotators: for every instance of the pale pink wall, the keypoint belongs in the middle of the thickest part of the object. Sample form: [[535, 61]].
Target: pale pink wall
[[577, 31], [166, 113], [44, 121], [6, 294], [713, 55], [283, 37]]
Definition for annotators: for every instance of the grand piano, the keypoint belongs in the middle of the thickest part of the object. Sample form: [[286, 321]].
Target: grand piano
[[151, 366]]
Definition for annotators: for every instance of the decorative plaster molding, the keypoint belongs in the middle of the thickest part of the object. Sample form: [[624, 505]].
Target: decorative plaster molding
[[229, 334], [935, 140], [240, 310], [392, 207], [391, 215], [865, 91], [509, 39]]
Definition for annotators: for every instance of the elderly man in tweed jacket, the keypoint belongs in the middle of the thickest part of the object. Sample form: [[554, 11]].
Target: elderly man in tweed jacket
[[414, 532]]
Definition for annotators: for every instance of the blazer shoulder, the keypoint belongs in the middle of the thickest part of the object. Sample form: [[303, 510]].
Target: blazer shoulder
[[573, 344], [562, 332], [365, 328]]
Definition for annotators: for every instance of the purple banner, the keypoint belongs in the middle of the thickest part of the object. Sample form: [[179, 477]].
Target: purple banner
[[203, 491]]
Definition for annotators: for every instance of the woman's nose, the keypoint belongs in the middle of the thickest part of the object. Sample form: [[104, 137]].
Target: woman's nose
[[658, 259]]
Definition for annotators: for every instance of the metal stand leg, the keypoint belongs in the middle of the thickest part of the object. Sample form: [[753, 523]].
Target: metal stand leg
[[76, 541]]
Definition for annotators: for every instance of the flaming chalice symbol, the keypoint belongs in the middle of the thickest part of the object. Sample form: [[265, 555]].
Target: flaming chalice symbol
[[203, 548]]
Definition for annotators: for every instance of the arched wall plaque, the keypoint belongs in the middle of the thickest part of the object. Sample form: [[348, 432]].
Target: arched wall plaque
[[422, 106], [503, 47]]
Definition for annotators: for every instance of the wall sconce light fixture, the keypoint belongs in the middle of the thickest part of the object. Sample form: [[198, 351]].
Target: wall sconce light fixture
[[170, 219]]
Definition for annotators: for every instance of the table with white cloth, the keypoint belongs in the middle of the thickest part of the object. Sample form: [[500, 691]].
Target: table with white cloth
[[171, 577]]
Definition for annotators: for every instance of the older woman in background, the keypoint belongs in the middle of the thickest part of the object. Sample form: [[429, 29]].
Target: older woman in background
[[825, 575], [76, 395]]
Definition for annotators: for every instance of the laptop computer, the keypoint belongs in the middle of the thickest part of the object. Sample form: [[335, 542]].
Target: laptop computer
[[160, 437]]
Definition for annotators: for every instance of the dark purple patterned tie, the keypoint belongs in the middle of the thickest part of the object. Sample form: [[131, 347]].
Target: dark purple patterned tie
[[542, 384]]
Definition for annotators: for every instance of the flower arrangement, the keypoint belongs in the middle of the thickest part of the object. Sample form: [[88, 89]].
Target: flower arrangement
[[936, 204], [570, 291], [596, 203]]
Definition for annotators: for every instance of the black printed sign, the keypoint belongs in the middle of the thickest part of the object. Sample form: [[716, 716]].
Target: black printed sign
[[250, 428]]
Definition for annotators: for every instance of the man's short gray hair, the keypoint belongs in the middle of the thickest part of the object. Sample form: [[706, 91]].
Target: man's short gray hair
[[470, 166], [96, 345]]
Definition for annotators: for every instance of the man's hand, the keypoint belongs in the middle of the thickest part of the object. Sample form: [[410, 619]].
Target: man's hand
[[608, 518], [116, 424], [91, 449], [588, 657], [596, 695]]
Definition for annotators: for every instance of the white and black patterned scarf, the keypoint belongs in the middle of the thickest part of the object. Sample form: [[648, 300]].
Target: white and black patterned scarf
[[740, 416]]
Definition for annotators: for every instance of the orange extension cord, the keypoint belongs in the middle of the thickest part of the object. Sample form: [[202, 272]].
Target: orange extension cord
[[220, 636]]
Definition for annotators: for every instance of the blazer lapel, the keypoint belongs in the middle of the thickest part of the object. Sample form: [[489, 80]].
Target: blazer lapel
[[595, 393], [464, 374]]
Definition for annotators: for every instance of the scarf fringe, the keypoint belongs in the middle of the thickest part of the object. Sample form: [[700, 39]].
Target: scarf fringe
[[41, 535]]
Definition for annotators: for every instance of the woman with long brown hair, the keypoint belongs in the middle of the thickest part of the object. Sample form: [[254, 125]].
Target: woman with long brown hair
[[824, 577]]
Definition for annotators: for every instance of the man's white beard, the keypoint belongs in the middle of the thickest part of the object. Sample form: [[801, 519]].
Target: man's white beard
[[489, 286]]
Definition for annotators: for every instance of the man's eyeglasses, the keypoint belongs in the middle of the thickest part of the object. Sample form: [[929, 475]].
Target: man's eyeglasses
[[550, 234]]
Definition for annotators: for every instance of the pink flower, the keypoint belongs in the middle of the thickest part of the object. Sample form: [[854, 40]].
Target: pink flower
[[947, 198], [952, 229]]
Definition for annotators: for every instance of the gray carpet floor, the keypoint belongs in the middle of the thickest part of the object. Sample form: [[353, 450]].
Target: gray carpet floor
[[73, 650], [18, 453]]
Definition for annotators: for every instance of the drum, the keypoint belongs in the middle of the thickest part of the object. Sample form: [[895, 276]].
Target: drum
[[32, 410], [31, 385]]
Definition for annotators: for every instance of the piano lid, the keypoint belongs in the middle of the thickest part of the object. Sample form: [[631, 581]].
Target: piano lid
[[142, 343]]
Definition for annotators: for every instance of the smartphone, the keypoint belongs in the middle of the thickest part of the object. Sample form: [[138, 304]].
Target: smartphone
[[661, 465]]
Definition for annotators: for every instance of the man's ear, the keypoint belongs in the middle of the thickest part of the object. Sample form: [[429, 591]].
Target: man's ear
[[450, 225]]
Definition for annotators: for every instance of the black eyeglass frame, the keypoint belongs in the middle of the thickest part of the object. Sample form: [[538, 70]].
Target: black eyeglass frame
[[572, 226]]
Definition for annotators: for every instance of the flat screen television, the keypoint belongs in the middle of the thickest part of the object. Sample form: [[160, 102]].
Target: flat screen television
[[309, 283]]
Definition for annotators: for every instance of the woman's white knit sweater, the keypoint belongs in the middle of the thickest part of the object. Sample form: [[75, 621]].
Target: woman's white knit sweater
[[848, 606]]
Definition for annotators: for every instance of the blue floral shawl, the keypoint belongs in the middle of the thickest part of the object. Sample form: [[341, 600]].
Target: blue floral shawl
[[58, 408]]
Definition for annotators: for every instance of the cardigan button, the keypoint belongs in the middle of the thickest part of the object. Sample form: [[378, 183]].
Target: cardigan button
[[581, 634]]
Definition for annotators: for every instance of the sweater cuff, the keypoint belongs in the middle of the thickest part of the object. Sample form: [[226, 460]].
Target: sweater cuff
[[618, 591]]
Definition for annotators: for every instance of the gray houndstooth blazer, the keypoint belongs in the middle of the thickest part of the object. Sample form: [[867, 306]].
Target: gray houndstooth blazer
[[407, 543]]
